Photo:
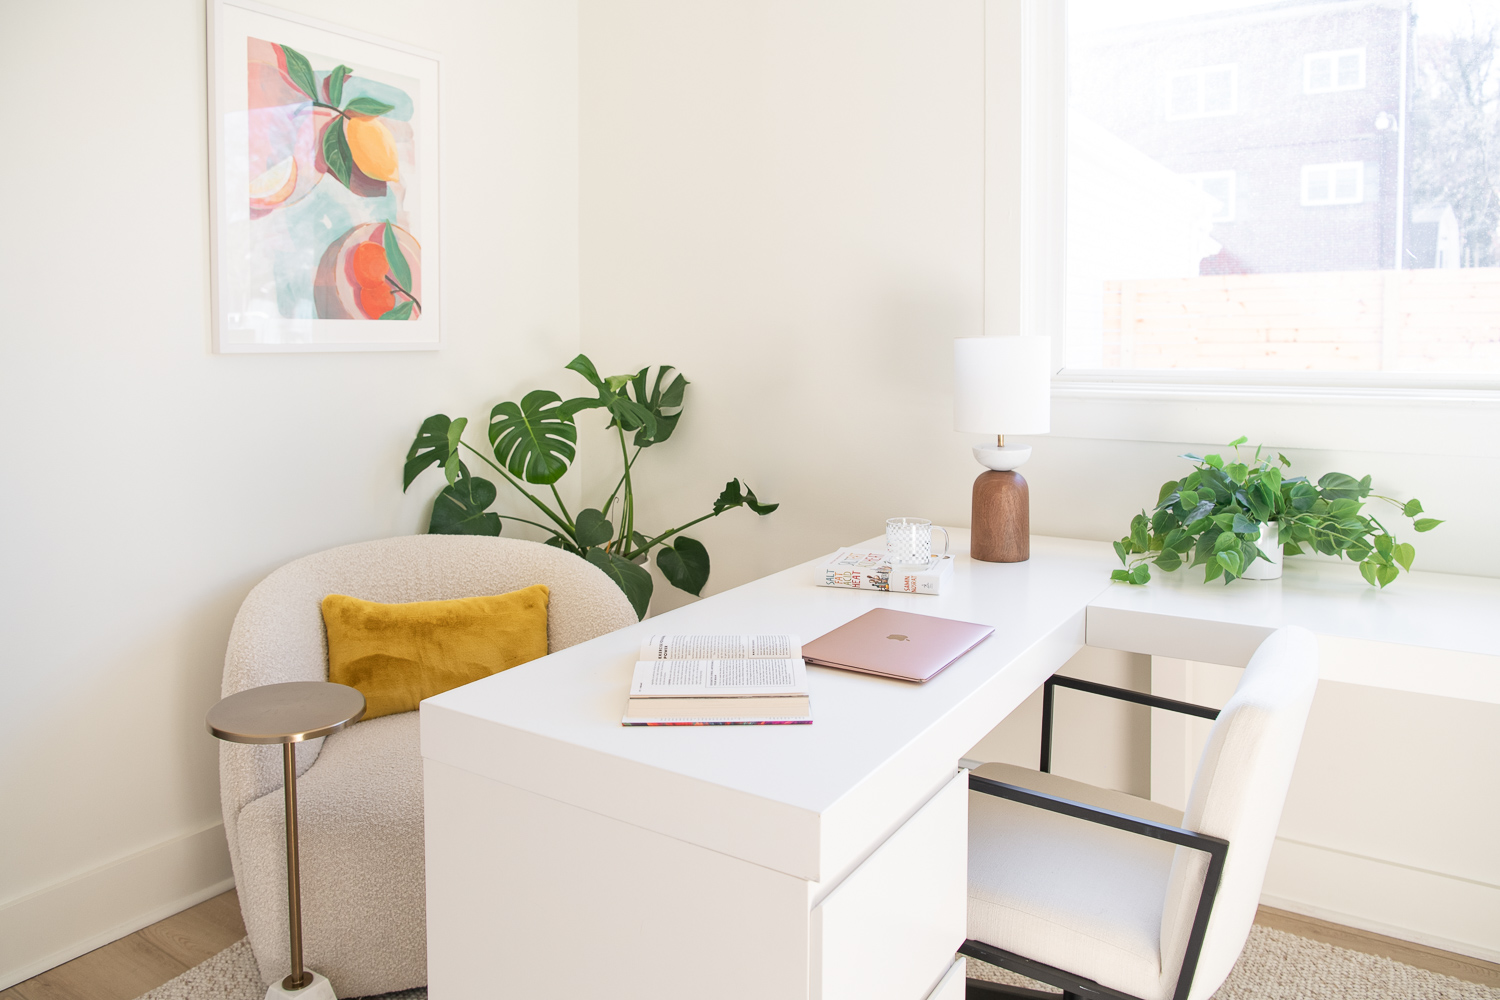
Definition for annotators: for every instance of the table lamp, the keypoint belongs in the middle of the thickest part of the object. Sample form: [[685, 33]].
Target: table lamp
[[1003, 385]]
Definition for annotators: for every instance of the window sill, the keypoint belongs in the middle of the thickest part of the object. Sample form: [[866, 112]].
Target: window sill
[[1430, 420]]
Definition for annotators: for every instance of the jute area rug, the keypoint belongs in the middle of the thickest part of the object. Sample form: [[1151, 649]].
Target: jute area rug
[[1275, 966]]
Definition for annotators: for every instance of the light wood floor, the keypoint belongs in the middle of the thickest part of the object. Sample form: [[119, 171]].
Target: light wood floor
[[144, 960]]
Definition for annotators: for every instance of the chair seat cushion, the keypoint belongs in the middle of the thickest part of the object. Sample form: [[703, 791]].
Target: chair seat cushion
[[1066, 892], [359, 811]]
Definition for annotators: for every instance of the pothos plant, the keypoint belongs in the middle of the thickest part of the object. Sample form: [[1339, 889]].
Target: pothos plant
[[535, 441], [1212, 518]]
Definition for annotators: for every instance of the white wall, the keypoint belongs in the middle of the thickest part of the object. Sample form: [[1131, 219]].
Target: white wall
[[785, 199], [152, 483]]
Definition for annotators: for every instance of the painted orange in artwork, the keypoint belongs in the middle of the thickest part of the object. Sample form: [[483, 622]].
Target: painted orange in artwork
[[330, 155]]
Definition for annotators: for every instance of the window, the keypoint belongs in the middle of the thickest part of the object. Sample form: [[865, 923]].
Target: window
[[1324, 72], [1333, 184], [1218, 185], [1203, 93], [1369, 254]]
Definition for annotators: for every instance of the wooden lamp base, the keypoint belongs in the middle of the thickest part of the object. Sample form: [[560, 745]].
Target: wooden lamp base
[[1001, 524]]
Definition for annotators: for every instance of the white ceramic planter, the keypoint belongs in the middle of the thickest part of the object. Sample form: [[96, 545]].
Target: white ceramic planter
[[1270, 544]]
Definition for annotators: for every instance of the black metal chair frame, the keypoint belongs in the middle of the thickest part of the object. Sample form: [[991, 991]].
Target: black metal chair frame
[[1217, 849]]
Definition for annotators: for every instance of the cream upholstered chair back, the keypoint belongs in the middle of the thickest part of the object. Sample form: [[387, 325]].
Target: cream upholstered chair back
[[278, 634], [1238, 794]]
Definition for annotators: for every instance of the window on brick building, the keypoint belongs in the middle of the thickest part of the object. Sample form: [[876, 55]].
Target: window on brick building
[[1267, 188]]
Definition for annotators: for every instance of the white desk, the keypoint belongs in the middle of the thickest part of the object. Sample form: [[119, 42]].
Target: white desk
[[567, 854]]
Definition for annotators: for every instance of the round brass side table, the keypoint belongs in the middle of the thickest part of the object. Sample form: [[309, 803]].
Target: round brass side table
[[288, 714]]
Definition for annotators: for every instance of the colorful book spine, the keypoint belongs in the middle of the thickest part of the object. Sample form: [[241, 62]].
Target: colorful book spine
[[859, 570]]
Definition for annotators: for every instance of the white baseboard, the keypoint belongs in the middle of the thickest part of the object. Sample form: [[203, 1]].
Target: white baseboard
[[43, 929], [1455, 914]]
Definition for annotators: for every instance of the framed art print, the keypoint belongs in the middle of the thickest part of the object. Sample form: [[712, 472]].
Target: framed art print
[[325, 186]]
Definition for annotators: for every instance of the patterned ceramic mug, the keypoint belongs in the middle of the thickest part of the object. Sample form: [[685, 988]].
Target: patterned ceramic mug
[[908, 541]]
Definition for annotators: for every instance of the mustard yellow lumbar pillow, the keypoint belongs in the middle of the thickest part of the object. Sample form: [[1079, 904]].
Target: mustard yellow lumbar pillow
[[398, 654]]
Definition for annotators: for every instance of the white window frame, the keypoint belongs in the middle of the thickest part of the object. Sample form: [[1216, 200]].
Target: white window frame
[[1025, 293], [1333, 199], [1227, 214], [1199, 73], [1334, 87]]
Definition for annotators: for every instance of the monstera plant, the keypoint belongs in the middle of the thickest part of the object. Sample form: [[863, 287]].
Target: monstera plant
[[534, 442]]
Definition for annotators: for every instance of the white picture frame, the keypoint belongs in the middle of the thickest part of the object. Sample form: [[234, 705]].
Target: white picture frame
[[326, 206]]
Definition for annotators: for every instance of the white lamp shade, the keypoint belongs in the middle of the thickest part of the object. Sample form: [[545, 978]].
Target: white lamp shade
[[1003, 385]]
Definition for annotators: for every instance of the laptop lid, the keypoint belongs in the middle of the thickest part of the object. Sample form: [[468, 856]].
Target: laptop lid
[[896, 644]]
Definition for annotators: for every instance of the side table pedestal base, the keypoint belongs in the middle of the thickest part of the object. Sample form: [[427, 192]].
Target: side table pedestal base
[[319, 989]]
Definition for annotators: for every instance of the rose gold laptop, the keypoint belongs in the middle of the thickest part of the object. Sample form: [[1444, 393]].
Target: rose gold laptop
[[896, 644]]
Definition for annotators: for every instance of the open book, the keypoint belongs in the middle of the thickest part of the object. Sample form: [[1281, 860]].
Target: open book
[[706, 680]]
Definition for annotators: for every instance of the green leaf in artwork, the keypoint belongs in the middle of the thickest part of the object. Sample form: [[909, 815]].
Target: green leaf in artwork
[[632, 580], [1168, 560], [1426, 523], [402, 311], [1122, 551], [1367, 570], [1230, 560], [336, 151], [1412, 508], [429, 448], [368, 106], [1386, 574], [336, 84], [400, 270], [1120, 575], [685, 564], [593, 528], [1238, 441], [460, 509], [300, 70], [1217, 461], [1141, 574]]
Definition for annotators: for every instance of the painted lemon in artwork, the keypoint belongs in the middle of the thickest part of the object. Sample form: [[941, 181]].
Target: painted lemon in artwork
[[372, 146], [274, 185]]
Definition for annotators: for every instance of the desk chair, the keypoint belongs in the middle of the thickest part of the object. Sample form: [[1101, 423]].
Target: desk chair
[[1106, 895]]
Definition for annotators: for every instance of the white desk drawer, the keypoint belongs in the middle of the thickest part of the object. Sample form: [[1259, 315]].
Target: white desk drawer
[[889, 931]]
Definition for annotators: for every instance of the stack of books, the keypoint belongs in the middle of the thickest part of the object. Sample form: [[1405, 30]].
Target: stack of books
[[863, 569], [719, 680]]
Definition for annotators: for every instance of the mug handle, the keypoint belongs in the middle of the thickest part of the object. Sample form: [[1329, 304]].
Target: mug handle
[[945, 537]]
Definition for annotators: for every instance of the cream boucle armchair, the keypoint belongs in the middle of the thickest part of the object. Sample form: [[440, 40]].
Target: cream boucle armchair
[[360, 791]]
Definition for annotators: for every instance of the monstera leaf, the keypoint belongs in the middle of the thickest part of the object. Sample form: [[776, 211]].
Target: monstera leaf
[[622, 409], [633, 580], [460, 509], [592, 528], [535, 440], [436, 444], [663, 401], [685, 564], [733, 496]]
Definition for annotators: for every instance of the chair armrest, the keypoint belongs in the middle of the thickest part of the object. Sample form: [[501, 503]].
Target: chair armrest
[[1108, 691], [1216, 848], [1137, 697]]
